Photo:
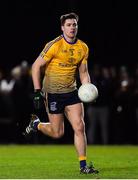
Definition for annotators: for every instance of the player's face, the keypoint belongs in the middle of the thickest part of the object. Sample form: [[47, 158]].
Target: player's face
[[70, 28]]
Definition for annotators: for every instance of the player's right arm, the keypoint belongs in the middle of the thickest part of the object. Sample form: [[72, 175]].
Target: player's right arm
[[45, 56], [36, 72]]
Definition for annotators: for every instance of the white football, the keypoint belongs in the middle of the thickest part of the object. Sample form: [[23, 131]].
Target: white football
[[87, 92]]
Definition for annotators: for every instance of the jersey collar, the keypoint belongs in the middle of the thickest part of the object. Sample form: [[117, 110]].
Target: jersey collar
[[67, 41]]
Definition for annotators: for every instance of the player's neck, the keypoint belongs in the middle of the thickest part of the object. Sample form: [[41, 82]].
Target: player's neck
[[70, 40]]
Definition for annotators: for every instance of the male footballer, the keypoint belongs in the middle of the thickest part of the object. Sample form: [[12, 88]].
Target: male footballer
[[62, 58]]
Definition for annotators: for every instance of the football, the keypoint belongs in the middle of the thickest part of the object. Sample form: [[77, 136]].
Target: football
[[88, 92]]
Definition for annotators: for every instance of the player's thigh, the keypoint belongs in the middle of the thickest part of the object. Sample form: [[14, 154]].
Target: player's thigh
[[75, 114], [57, 121]]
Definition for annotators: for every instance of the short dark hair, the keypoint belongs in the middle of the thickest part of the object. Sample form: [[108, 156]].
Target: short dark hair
[[68, 16]]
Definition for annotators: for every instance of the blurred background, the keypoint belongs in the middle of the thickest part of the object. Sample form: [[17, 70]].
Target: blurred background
[[109, 28]]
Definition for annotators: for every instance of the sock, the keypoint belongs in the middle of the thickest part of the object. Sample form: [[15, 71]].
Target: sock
[[35, 124], [82, 160]]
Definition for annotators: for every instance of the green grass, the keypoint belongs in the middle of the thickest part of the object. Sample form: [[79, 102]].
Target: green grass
[[61, 162]]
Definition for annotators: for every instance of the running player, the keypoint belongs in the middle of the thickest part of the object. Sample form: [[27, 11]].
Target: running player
[[62, 58]]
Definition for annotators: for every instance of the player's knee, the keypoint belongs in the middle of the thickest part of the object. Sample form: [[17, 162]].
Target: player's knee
[[80, 128]]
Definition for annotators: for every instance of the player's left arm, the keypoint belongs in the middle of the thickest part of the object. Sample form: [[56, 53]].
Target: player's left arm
[[83, 66], [84, 74]]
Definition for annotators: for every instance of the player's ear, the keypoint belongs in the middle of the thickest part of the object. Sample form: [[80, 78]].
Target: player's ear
[[62, 28]]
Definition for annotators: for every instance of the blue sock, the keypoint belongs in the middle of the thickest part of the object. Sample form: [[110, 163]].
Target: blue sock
[[35, 124], [82, 163]]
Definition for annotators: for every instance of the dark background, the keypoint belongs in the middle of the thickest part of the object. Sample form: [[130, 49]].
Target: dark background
[[108, 27]]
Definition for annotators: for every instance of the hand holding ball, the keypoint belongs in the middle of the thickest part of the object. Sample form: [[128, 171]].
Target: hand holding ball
[[87, 92]]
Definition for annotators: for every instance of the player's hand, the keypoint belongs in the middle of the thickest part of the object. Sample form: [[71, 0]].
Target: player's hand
[[38, 99]]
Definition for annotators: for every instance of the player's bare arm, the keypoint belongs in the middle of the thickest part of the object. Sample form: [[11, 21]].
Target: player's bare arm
[[84, 74], [36, 71]]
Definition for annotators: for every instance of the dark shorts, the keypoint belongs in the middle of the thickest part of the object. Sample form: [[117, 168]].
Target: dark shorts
[[58, 102]]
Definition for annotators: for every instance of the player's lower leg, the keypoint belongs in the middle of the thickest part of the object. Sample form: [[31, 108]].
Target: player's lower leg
[[80, 144], [45, 128]]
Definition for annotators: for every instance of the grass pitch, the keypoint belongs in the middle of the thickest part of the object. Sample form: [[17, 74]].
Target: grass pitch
[[61, 162]]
